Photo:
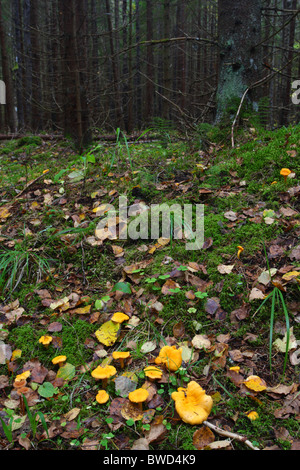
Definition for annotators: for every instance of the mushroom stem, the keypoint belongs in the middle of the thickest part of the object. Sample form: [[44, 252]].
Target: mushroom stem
[[22, 405], [122, 362], [104, 383]]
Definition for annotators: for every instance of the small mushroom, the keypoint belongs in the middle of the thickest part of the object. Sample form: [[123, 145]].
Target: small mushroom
[[240, 250], [103, 373], [121, 356], [170, 357], [45, 340], [119, 317], [19, 383], [21, 392], [252, 415], [285, 172], [153, 373], [23, 376], [20, 379], [192, 404], [138, 396], [102, 397], [60, 360]]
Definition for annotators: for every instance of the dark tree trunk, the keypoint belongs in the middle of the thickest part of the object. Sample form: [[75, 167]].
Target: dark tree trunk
[[76, 118], [239, 23], [167, 64], [288, 42], [150, 65], [138, 91], [19, 59], [9, 106], [36, 123], [115, 70]]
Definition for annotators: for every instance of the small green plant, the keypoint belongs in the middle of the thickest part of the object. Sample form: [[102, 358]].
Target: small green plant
[[18, 264], [277, 298], [105, 439], [33, 419], [7, 428]]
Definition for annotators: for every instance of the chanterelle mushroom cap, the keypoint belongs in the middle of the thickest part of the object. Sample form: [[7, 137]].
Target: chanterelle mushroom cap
[[171, 357], [121, 354], [285, 171], [192, 404], [23, 376], [139, 395], [103, 372], [102, 397], [23, 390], [153, 372], [119, 317], [59, 360], [45, 340]]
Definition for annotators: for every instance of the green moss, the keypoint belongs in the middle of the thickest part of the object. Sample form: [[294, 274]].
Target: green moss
[[182, 440], [73, 336], [29, 140]]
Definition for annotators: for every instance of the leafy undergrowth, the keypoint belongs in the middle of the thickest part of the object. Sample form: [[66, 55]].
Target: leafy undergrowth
[[61, 276]]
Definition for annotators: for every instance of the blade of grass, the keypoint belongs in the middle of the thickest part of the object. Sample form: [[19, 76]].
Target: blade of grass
[[287, 322]]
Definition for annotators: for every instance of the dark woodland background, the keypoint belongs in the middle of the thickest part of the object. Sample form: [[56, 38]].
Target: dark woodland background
[[81, 67]]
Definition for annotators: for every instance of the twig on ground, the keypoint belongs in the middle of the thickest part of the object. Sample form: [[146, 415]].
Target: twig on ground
[[232, 435]]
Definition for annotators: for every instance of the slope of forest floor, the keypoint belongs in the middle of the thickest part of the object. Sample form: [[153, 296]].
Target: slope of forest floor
[[61, 276]]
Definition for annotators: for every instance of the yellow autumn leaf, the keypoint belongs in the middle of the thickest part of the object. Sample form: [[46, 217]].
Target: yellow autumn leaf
[[4, 213], [163, 241], [82, 310], [108, 333], [60, 303], [16, 354], [255, 383], [291, 275], [102, 209]]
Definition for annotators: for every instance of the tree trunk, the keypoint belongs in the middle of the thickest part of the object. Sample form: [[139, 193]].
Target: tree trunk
[[19, 59], [150, 66], [288, 34], [138, 100], [36, 48], [115, 69], [76, 122], [9, 106], [239, 24], [167, 64]]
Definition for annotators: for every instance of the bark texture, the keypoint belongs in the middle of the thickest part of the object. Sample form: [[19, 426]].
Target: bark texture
[[239, 30]]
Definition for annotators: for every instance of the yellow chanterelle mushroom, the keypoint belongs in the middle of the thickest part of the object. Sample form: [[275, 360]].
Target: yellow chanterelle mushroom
[[192, 404]]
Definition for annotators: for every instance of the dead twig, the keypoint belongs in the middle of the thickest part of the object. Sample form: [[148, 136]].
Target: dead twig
[[232, 435]]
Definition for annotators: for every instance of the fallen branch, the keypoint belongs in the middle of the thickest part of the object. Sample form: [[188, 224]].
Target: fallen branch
[[20, 136], [28, 185], [232, 435]]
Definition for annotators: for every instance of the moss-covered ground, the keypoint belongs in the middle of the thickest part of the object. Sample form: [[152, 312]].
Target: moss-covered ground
[[61, 277]]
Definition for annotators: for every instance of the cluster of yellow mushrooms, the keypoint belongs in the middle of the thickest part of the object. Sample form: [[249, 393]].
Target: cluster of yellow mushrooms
[[191, 403]]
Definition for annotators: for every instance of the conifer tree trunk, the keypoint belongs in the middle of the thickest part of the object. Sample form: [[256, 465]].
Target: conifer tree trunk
[[36, 123], [9, 106], [239, 23], [76, 117]]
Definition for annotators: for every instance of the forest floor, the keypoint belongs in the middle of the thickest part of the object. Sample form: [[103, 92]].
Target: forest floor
[[233, 314]]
